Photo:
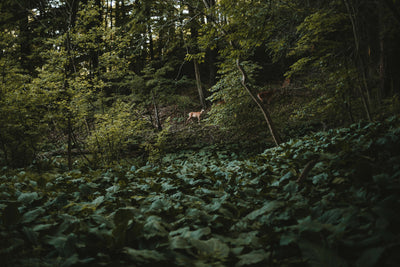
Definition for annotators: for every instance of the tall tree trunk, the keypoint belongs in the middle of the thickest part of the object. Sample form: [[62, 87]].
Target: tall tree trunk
[[94, 53], [212, 53], [25, 41], [382, 61], [198, 83], [151, 46], [347, 105], [262, 107], [382, 69], [363, 85], [117, 14], [156, 113], [69, 68], [194, 35], [69, 144], [247, 87]]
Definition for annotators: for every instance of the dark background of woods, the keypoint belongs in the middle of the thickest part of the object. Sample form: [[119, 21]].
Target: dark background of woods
[[99, 166], [99, 81]]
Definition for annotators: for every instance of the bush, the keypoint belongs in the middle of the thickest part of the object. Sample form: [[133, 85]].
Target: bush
[[115, 132]]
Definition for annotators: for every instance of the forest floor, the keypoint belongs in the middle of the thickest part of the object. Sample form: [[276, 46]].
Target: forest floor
[[213, 207]]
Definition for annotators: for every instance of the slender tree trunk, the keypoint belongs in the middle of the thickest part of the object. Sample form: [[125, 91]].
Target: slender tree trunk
[[212, 53], [69, 144], [262, 107], [151, 46], [156, 113], [347, 105], [264, 110], [198, 83], [194, 35], [382, 91], [359, 61], [117, 14], [69, 68], [25, 41], [365, 102], [382, 69]]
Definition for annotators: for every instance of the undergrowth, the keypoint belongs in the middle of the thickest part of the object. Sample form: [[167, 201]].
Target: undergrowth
[[215, 207]]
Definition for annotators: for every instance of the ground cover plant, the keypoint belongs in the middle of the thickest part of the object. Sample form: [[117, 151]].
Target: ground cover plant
[[212, 208]]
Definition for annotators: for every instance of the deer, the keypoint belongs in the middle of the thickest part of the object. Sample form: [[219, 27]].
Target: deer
[[195, 115], [266, 96]]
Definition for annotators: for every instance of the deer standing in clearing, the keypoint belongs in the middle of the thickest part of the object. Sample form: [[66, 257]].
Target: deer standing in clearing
[[195, 115]]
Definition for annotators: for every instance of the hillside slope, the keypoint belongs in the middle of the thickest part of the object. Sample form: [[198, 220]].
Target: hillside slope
[[211, 208]]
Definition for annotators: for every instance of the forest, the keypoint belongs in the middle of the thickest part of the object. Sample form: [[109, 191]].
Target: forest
[[199, 133]]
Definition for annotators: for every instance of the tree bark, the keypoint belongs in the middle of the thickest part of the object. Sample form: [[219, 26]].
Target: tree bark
[[151, 46], [69, 68], [69, 145], [382, 60], [194, 35], [25, 42], [359, 61], [262, 107], [156, 113], [198, 83]]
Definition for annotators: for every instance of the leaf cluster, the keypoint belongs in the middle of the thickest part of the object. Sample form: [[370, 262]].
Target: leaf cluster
[[211, 207]]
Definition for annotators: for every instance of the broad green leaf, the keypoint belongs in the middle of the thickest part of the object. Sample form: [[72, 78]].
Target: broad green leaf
[[197, 234], [154, 227], [65, 245], [32, 215], [320, 178], [253, 258], [211, 248], [28, 197], [144, 256], [178, 242], [269, 206]]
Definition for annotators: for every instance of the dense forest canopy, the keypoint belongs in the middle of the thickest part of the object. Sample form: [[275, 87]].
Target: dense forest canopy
[[199, 132], [102, 77]]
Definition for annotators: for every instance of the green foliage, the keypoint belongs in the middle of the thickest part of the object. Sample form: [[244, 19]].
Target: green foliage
[[247, 28], [323, 66], [317, 49], [237, 110], [64, 65], [21, 127], [212, 207], [199, 57], [158, 86], [120, 128], [156, 149], [316, 30], [21, 118]]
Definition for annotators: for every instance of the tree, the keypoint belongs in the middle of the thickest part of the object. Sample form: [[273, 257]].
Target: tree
[[337, 50], [21, 108], [242, 31]]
